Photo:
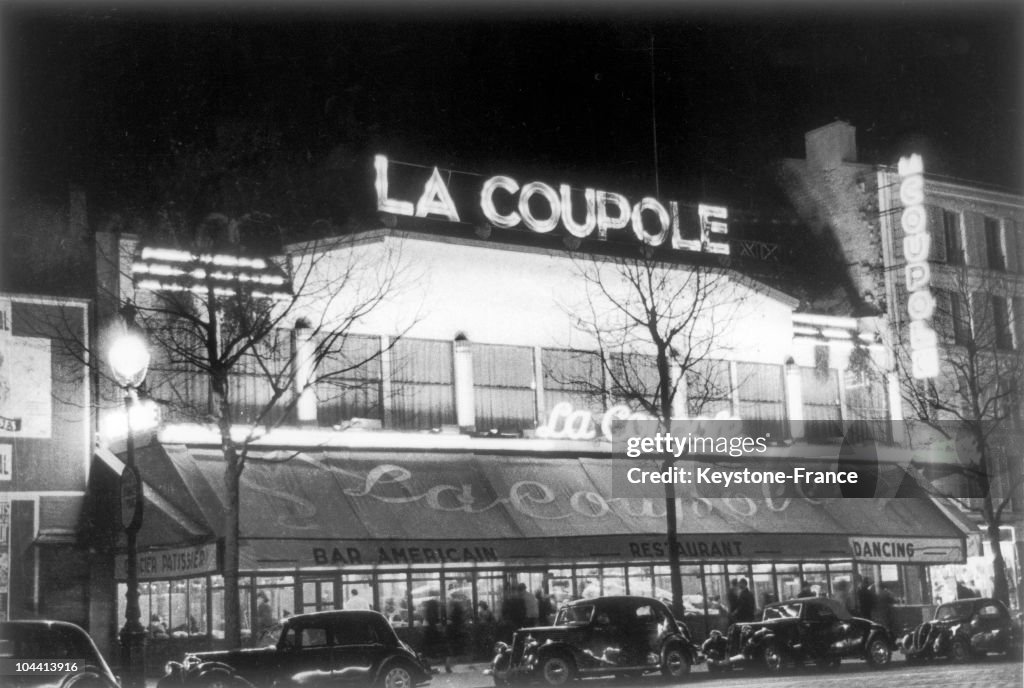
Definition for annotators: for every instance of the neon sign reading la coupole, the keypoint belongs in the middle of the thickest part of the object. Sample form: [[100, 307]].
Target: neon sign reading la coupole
[[590, 213], [924, 354]]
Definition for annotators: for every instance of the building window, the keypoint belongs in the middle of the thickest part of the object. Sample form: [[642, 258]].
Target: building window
[[350, 381], [1001, 323], [504, 388], [952, 317], [867, 408], [951, 237], [423, 388], [708, 389], [576, 377], [994, 244], [822, 410], [633, 378], [762, 397], [253, 379]]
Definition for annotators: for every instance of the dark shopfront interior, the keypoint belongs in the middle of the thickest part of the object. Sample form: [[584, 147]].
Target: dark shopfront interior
[[192, 608]]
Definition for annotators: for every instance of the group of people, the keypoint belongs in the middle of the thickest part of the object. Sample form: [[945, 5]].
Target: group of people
[[864, 600], [521, 608], [158, 628]]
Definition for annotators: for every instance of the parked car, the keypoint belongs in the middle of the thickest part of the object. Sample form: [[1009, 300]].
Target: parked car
[[41, 654], [621, 635], [322, 649], [964, 629], [806, 630]]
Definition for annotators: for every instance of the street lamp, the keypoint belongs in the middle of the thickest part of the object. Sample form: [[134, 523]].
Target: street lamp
[[129, 361]]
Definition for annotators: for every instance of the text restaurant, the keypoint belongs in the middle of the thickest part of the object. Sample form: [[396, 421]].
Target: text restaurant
[[470, 452]]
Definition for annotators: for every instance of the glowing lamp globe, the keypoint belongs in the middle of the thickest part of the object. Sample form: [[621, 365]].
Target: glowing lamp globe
[[129, 360]]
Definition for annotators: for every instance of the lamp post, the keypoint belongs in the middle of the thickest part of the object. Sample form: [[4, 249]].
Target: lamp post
[[129, 361]]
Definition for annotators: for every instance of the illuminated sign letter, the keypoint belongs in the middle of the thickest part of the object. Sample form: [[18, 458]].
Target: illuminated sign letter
[[922, 336], [921, 305], [918, 276], [606, 221], [436, 200], [551, 196], [385, 204], [712, 219], [916, 247], [578, 230], [487, 201], [638, 222], [914, 220], [678, 242]]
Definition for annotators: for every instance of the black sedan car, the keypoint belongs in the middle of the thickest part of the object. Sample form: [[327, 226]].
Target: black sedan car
[[964, 629], [45, 654], [806, 630], [331, 648], [624, 636]]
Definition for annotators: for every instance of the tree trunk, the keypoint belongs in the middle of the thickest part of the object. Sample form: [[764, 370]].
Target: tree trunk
[[232, 610], [673, 547], [1000, 586]]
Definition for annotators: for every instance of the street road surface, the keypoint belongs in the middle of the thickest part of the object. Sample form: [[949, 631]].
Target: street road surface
[[987, 673]]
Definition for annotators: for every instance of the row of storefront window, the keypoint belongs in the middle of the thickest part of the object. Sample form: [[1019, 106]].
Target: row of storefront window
[[515, 385], [194, 606]]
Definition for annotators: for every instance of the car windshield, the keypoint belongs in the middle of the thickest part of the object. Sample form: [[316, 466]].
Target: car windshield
[[954, 610], [783, 611], [579, 614]]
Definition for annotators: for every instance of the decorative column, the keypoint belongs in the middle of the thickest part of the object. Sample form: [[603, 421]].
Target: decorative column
[[465, 405], [304, 350]]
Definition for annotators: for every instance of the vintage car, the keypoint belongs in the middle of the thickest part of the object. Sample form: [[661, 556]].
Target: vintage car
[[964, 629], [806, 630], [330, 648], [51, 654], [621, 635]]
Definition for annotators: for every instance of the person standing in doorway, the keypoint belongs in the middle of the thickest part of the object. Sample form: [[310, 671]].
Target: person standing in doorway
[[357, 601], [531, 605], [866, 598], [746, 606]]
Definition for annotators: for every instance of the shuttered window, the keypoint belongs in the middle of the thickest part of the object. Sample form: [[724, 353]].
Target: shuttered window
[[422, 389], [504, 387], [349, 381], [761, 398]]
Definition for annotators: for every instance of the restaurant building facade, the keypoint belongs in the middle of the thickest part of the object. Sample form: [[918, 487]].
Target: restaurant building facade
[[468, 451]]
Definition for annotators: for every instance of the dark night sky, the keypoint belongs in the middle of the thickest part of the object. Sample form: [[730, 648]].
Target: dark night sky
[[98, 97]]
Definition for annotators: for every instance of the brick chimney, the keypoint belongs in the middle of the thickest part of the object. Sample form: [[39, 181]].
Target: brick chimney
[[830, 146]]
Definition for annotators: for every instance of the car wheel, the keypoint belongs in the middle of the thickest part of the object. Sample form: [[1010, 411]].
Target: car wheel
[[219, 679], [879, 654], [396, 676], [960, 651], [556, 670], [86, 681], [774, 662], [675, 663]]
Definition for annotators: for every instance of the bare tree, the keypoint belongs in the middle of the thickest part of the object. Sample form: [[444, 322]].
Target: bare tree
[[661, 332], [972, 408], [245, 363]]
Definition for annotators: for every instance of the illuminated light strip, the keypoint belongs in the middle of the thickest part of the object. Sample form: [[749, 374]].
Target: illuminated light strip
[[169, 255]]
